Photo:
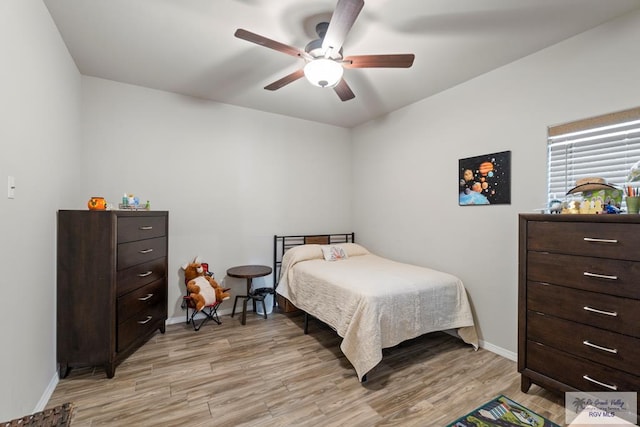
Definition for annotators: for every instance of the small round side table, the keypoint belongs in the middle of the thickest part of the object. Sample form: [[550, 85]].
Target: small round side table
[[249, 272]]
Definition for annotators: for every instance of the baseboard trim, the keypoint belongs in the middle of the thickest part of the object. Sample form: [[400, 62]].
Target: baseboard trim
[[489, 347], [499, 351], [48, 392]]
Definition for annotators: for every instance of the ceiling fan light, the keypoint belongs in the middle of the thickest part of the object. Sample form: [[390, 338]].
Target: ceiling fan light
[[323, 72]]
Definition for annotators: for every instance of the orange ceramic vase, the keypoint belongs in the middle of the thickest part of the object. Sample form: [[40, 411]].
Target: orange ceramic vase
[[97, 204]]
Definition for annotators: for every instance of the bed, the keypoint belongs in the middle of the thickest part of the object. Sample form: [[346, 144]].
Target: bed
[[370, 301]]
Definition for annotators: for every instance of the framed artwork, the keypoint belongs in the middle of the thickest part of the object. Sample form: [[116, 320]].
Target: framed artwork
[[485, 180]]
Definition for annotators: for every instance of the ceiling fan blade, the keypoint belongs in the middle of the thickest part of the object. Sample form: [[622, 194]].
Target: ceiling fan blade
[[344, 91], [285, 80], [342, 20], [266, 42], [379, 61]]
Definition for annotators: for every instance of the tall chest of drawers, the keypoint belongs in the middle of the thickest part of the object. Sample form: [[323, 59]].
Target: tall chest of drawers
[[579, 302], [111, 285]]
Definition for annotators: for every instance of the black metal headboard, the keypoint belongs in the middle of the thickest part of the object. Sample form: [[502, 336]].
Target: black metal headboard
[[282, 244]]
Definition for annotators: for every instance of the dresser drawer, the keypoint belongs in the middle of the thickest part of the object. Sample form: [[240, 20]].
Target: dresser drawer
[[603, 311], [131, 228], [139, 326], [133, 253], [139, 275], [572, 370], [607, 240], [608, 348], [140, 300], [609, 276]]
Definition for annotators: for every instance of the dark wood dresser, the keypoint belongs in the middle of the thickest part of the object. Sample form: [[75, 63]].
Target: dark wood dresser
[[579, 302], [111, 285]]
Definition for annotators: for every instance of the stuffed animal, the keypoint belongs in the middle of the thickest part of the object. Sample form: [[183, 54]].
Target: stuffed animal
[[202, 288]]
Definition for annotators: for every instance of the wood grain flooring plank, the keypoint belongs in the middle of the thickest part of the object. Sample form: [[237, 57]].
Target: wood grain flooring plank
[[269, 373]]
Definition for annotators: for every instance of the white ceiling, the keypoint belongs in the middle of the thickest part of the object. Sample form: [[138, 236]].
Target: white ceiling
[[188, 47]]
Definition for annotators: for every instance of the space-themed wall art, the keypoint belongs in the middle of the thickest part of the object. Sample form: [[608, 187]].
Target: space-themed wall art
[[485, 180]]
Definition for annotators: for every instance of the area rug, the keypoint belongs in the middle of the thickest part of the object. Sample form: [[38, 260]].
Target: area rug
[[503, 412], [60, 416]]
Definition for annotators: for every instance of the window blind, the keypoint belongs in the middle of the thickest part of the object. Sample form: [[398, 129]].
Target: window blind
[[604, 147]]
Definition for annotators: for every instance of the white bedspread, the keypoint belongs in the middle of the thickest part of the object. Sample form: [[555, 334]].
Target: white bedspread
[[373, 302]]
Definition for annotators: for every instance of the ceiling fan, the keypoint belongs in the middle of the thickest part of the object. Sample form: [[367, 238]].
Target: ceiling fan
[[324, 60]]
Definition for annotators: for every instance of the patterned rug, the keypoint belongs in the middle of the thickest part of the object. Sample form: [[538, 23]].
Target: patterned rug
[[60, 416], [503, 412]]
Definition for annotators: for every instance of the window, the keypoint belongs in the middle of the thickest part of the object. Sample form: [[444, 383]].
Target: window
[[604, 147]]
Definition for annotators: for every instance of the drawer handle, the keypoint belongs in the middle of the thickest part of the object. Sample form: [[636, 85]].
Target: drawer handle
[[596, 240], [600, 276], [150, 295], [595, 310], [146, 227], [146, 251], [590, 344], [609, 386], [147, 320], [148, 273]]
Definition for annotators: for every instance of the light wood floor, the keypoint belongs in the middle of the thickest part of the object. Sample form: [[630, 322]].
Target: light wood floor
[[268, 373]]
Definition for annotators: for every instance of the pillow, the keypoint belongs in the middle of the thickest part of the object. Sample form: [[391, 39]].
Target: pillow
[[333, 252], [301, 253], [353, 249]]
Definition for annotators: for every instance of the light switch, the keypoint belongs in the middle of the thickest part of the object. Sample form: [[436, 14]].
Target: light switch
[[11, 187]]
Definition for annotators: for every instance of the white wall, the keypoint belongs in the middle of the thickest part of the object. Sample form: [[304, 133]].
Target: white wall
[[405, 165], [230, 177], [39, 127]]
